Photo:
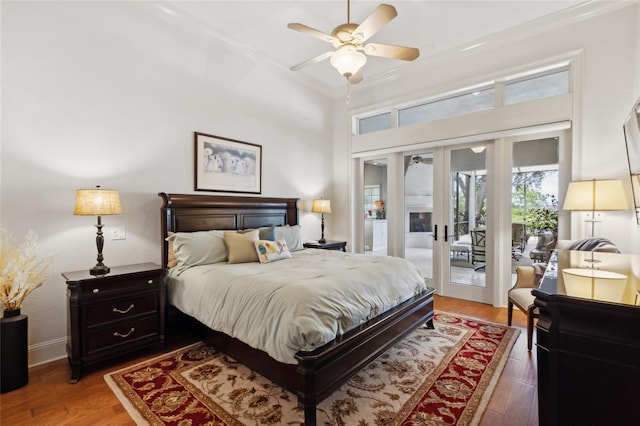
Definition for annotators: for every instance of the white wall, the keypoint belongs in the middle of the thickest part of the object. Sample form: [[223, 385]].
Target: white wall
[[110, 93], [607, 48]]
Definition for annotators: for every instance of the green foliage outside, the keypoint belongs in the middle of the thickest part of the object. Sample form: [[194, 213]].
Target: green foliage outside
[[530, 204], [539, 211]]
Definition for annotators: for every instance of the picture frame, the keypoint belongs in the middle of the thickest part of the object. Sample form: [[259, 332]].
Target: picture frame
[[227, 165]]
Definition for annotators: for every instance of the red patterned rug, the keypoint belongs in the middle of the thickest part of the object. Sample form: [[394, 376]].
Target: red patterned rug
[[443, 376]]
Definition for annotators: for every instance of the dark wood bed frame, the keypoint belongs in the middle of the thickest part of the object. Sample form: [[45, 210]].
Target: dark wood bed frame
[[318, 373]]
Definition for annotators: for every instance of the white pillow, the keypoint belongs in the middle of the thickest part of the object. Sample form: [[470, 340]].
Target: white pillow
[[291, 234], [198, 248], [240, 246], [270, 251]]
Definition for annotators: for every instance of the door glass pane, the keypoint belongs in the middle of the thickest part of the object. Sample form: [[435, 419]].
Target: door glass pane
[[467, 217], [375, 208], [418, 211], [534, 208]]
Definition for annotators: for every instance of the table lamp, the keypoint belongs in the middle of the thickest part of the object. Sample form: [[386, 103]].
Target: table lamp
[[98, 202], [595, 195], [321, 206]]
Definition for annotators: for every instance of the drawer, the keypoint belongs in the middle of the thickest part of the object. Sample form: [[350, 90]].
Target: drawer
[[106, 286], [120, 309], [121, 333]]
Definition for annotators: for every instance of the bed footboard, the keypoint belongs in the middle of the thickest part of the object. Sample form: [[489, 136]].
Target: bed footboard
[[327, 368]]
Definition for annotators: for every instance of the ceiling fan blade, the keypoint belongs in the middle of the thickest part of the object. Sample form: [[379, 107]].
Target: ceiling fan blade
[[312, 61], [356, 78], [312, 32], [381, 16], [390, 51]]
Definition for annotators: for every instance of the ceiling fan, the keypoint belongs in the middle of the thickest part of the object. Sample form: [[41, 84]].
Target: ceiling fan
[[418, 159], [348, 40]]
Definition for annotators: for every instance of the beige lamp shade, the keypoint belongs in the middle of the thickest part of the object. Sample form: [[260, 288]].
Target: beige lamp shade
[[594, 284], [97, 202], [321, 206], [596, 195]]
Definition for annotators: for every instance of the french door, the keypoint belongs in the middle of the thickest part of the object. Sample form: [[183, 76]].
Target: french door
[[447, 229], [464, 214]]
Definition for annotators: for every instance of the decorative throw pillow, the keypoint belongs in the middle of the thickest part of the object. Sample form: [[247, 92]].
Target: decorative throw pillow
[[172, 262], [266, 233], [270, 251], [198, 248], [240, 246], [291, 234]]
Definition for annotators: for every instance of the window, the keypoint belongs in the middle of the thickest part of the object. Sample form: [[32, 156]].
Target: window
[[535, 84], [374, 123], [538, 87], [371, 195], [449, 107]]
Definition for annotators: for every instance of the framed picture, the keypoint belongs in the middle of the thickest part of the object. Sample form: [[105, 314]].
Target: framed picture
[[227, 165]]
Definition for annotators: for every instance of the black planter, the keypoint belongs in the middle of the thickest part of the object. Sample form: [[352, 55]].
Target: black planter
[[14, 371]]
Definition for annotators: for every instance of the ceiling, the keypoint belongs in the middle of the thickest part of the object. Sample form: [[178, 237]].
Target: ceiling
[[260, 28]]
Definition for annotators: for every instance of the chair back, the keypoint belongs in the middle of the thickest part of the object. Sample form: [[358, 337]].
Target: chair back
[[518, 235], [544, 238], [478, 245]]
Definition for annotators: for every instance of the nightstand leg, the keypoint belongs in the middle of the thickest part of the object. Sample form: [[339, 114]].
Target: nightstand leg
[[75, 374]]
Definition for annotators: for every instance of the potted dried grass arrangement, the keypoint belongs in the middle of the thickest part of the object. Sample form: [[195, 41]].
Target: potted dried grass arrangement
[[22, 270]]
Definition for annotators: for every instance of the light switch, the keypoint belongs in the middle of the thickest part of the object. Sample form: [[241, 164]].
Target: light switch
[[118, 233]]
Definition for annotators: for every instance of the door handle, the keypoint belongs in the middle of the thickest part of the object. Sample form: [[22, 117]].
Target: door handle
[[446, 233], [435, 232]]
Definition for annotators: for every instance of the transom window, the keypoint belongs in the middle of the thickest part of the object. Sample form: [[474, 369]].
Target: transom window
[[469, 102], [374, 123], [538, 87], [550, 82]]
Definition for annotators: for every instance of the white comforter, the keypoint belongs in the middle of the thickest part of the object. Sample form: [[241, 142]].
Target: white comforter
[[296, 304]]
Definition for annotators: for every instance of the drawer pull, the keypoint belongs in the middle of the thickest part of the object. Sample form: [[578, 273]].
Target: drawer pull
[[150, 282], [96, 290], [116, 334], [123, 312]]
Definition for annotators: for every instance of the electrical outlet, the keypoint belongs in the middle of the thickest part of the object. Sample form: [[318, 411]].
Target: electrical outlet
[[118, 233]]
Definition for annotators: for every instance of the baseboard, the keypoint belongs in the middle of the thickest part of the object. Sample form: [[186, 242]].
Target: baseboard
[[44, 352]]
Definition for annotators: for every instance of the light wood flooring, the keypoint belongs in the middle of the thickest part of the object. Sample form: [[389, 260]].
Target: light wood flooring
[[49, 398]]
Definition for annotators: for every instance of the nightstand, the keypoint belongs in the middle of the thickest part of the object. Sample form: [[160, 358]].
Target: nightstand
[[113, 314], [328, 245]]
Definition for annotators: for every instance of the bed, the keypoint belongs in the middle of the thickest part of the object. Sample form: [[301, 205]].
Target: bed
[[316, 373]]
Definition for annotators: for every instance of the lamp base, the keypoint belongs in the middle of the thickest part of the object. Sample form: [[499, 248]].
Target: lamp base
[[322, 241], [99, 270]]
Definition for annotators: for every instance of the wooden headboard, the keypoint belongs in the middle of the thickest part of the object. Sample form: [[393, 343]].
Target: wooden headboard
[[189, 213]]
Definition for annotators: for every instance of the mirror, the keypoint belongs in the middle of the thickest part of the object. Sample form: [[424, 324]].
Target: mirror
[[632, 139]]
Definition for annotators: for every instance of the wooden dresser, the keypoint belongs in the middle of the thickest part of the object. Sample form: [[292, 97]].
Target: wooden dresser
[[588, 340], [113, 314]]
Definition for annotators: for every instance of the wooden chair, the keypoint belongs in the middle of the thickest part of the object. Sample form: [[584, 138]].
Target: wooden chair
[[478, 247], [518, 237], [528, 278]]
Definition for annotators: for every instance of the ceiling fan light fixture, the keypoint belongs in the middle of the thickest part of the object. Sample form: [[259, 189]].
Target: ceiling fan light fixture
[[347, 60]]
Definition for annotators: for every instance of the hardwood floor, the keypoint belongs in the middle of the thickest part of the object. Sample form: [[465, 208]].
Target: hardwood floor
[[49, 398]]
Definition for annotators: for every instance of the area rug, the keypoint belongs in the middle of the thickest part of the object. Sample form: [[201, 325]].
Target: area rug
[[441, 376]]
